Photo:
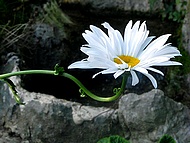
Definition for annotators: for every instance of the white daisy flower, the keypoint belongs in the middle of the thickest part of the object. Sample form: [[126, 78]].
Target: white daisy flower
[[135, 52]]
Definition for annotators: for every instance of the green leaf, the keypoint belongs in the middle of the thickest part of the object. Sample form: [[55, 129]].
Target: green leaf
[[166, 139], [113, 139], [13, 89], [82, 93], [116, 90], [58, 70]]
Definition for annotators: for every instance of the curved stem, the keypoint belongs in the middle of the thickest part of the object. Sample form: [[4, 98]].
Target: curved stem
[[93, 96]]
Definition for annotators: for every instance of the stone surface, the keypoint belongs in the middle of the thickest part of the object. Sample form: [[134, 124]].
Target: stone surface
[[45, 119], [186, 29], [126, 5], [150, 115]]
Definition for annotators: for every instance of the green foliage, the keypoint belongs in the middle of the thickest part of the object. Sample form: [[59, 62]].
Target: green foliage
[[53, 15], [174, 10], [3, 8], [13, 89], [82, 93], [16, 28], [176, 75], [166, 139], [178, 71], [58, 70], [113, 139], [184, 59], [13, 12], [12, 34], [118, 139], [116, 90]]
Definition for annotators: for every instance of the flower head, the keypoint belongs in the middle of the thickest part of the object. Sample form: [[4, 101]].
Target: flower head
[[134, 52]]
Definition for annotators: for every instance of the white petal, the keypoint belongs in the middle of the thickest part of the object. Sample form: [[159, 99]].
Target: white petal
[[168, 51], [169, 63], [141, 69], [96, 74], [155, 70], [153, 46], [134, 39], [115, 39], [152, 79], [135, 79], [123, 66], [80, 64], [92, 40], [127, 35], [93, 51], [98, 32], [134, 36], [107, 71], [139, 47], [152, 61], [137, 38], [160, 41], [118, 73], [110, 70], [102, 37], [143, 46], [147, 41], [92, 62], [101, 62]]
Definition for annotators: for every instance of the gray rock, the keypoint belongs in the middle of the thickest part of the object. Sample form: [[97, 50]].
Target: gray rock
[[126, 5], [45, 119], [186, 29], [49, 120], [150, 115]]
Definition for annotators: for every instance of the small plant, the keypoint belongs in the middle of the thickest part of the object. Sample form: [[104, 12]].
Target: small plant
[[166, 139], [175, 10], [20, 34], [54, 16], [13, 11], [12, 34], [119, 139], [113, 139]]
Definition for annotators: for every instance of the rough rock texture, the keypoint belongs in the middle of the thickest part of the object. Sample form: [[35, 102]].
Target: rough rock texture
[[186, 28], [46, 47], [127, 5], [150, 115], [49, 120], [186, 44], [45, 119]]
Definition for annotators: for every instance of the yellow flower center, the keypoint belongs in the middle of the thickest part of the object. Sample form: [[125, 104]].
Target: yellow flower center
[[131, 61]]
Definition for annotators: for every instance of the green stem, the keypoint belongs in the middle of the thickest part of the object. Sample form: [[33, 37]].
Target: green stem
[[95, 97], [7, 75], [50, 72]]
